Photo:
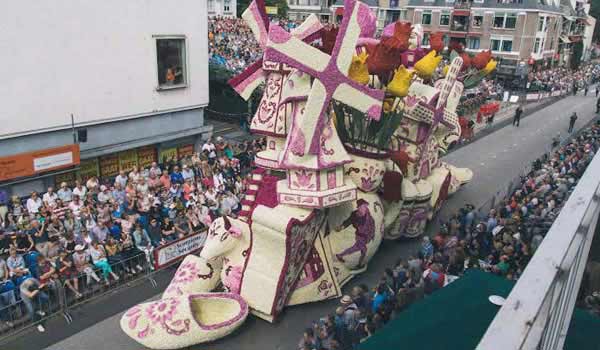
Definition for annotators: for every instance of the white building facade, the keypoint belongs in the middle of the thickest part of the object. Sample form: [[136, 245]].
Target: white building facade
[[127, 79], [222, 8]]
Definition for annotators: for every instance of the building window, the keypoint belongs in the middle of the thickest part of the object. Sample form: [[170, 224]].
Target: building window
[[511, 21], [425, 41], [536, 46], [211, 5], [477, 21], [473, 43], [226, 8], [501, 45], [170, 59], [394, 3], [551, 44], [496, 44], [541, 24], [445, 19], [426, 19], [503, 20]]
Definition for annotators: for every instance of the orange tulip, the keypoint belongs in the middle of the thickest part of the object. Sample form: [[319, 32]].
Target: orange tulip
[[481, 59]]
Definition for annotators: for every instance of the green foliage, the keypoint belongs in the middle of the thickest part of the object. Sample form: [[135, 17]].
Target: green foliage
[[359, 131], [595, 12], [577, 53]]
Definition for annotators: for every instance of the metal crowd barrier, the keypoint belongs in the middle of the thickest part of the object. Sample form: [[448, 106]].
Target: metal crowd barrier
[[61, 301]]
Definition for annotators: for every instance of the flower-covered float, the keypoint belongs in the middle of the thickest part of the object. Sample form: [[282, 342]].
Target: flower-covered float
[[355, 128]]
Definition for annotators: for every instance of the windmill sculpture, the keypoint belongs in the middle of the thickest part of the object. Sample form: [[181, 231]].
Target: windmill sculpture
[[313, 155]]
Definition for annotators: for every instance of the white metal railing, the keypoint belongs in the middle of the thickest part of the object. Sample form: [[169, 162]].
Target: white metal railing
[[537, 313]]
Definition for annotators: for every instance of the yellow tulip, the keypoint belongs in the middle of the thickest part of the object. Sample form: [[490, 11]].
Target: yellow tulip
[[426, 65], [445, 70], [358, 68], [388, 105], [401, 82], [490, 66]]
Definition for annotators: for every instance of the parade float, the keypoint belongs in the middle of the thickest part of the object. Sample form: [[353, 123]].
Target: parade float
[[355, 128]]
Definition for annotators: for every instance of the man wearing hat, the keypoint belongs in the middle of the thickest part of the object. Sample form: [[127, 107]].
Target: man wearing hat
[[363, 223]]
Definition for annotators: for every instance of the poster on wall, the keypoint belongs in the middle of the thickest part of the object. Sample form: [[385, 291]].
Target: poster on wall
[[146, 156], [88, 168], [167, 155], [109, 165], [171, 252], [69, 178], [185, 151], [128, 160]]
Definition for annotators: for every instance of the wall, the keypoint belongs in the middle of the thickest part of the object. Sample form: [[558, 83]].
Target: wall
[[95, 60]]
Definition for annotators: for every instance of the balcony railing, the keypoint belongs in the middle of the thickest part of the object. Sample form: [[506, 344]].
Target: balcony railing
[[537, 313]]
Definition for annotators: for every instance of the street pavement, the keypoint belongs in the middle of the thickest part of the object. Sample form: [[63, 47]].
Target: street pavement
[[495, 160]]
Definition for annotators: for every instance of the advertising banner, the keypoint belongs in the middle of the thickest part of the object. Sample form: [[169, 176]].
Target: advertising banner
[[172, 252]]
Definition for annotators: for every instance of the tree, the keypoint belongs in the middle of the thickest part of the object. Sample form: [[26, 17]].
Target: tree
[[595, 12], [577, 53]]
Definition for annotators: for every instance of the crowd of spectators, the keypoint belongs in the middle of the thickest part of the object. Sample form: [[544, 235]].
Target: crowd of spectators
[[561, 78], [501, 242], [65, 243], [231, 43]]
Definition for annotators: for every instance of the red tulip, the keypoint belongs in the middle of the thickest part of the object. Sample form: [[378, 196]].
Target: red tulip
[[328, 37], [456, 46], [384, 57], [436, 41], [466, 60], [481, 59], [401, 35]]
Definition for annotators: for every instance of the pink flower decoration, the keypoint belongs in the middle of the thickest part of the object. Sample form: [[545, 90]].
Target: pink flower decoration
[[162, 310], [186, 273], [233, 279], [235, 231]]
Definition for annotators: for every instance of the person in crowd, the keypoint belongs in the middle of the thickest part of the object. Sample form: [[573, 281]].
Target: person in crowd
[[100, 261], [572, 120], [81, 260], [34, 298]]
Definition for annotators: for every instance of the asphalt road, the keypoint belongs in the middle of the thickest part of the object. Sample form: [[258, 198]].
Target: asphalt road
[[495, 160]]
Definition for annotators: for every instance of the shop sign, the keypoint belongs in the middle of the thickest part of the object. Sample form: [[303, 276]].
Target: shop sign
[[271, 10], [31, 163]]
